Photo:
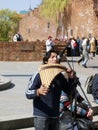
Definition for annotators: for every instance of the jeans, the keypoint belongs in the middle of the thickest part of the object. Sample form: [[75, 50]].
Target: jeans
[[85, 61], [41, 123]]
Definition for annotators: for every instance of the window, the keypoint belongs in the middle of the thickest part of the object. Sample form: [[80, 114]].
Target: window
[[71, 32], [48, 24], [28, 31]]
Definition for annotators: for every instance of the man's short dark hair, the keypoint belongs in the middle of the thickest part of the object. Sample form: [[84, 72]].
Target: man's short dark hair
[[48, 54]]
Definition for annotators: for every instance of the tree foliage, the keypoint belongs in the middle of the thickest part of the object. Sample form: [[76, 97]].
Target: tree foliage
[[9, 22], [51, 8]]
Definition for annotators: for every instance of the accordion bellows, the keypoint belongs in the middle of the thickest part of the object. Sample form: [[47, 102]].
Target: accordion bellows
[[49, 71]]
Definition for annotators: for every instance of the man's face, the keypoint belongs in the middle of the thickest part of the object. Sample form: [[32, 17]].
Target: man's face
[[53, 58]]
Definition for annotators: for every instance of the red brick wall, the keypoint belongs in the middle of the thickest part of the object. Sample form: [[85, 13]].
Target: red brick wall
[[83, 19], [25, 51], [79, 17], [21, 51], [33, 27]]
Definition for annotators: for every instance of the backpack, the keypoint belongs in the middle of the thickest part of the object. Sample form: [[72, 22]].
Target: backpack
[[95, 87], [19, 38], [89, 83], [67, 122]]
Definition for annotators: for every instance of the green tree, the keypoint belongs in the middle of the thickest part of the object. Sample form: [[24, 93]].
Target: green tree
[[54, 10], [9, 22], [51, 8]]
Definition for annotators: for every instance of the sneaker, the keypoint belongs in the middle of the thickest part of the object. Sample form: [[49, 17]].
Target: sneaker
[[78, 62], [91, 58], [84, 66]]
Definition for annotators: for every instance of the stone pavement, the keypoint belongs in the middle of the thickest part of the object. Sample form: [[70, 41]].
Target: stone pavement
[[13, 103]]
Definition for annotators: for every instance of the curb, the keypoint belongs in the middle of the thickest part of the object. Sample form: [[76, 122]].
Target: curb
[[17, 124], [29, 122]]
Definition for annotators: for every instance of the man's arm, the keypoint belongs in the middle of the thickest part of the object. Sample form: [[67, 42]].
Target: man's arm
[[31, 92]]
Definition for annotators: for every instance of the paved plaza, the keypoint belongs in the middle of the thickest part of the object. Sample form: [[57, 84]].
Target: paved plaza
[[13, 103]]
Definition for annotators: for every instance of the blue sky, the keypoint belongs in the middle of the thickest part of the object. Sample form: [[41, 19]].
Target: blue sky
[[18, 5]]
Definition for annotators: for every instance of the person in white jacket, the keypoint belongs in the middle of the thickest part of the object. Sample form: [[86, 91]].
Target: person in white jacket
[[17, 37], [49, 44], [85, 46]]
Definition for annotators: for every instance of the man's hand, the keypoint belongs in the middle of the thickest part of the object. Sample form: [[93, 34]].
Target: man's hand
[[42, 90], [71, 73], [90, 114]]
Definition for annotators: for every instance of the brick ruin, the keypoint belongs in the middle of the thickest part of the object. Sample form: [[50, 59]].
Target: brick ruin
[[80, 18], [25, 51]]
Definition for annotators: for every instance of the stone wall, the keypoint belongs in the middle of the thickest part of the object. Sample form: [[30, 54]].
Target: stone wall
[[21, 51], [33, 26], [83, 20], [79, 19], [25, 51]]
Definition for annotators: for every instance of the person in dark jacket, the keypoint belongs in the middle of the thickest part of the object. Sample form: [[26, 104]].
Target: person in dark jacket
[[73, 107], [46, 100]]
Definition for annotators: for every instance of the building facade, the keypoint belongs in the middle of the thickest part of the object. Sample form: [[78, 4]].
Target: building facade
[[34, 27], [80, 18]]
